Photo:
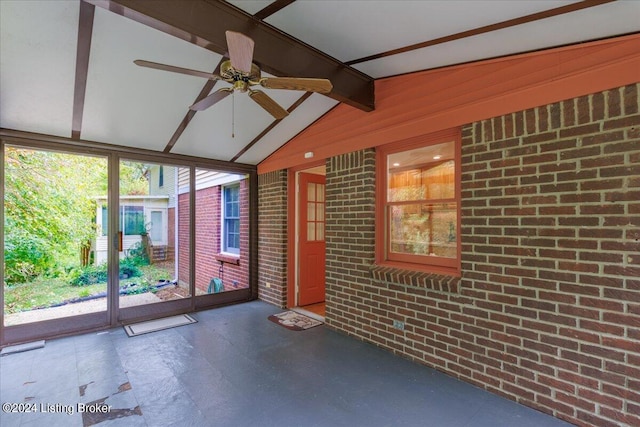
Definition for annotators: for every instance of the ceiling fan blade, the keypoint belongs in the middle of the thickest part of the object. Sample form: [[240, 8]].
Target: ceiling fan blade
[[207, 102], [309, 85], [240, 51], [174, 69], [266, 102]]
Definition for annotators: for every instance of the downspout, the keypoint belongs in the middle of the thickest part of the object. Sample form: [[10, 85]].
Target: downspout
[[176, 198]]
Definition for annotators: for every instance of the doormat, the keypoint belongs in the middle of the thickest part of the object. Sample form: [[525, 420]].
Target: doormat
[[294, 321], [136, 329]]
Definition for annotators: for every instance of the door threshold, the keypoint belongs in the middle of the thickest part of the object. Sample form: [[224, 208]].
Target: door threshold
[[19, 348], [308, 313]]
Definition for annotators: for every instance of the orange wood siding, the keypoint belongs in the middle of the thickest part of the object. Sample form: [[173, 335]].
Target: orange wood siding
[[420, 103]]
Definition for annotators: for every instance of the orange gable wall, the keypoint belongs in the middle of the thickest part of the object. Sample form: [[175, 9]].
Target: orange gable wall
[[424, 102]]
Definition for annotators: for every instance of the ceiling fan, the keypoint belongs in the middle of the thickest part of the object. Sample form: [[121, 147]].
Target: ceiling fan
[[243, 74]]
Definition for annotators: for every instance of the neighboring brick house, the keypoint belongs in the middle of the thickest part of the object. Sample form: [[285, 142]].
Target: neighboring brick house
[[545, 309], [221, 230], [156, 214]]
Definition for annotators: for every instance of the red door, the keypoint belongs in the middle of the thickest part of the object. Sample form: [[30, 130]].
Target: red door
[[312, 242]]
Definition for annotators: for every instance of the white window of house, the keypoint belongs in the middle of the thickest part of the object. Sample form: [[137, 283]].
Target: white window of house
[[104, 220], [131, 220], [230, 241]]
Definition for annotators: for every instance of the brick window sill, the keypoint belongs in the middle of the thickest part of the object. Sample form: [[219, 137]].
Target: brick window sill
[[436, 281]]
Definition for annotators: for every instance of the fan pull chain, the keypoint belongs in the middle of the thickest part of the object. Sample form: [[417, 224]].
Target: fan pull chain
[[233, 114]]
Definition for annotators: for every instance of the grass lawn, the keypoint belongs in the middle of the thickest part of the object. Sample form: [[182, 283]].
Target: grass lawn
[[45, 292]]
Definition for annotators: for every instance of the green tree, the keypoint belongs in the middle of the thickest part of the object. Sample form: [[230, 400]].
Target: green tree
[[134, 179], [49, 209]]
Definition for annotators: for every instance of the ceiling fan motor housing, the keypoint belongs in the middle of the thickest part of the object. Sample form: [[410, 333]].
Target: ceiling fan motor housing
[[240, 80]]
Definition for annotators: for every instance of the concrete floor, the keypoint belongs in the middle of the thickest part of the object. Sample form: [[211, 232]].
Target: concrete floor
[[236, 368]]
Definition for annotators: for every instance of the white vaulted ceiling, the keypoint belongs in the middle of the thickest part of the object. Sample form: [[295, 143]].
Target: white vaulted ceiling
[[139, 107]]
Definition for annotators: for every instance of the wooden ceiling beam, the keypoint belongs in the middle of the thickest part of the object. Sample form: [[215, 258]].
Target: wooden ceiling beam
[[83, 49], [573, 7], [273, 124], [272, 8], [204, 92], [204, 22]]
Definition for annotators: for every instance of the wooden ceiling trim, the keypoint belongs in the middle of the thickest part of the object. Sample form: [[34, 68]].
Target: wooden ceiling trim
[[204, 22], [447, 88], [565, 73], [271, 126], [486, 29], [272, 8], [178, 132], [53, 142], [432, 92], [206, 90], [85, 31]]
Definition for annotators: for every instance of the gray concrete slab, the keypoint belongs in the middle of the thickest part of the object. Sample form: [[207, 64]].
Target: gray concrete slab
[[236, 368]]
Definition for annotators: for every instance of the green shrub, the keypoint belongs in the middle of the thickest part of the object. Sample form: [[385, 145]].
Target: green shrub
[[137, 255], [93, 274], [88, 275], [129, 267], [26, 256]]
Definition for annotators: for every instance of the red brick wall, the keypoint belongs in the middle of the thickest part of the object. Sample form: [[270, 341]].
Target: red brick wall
[[207, 236], [547, 311], [183, 239], [551, 254], [238, 277], [272, 239], [208, 217]]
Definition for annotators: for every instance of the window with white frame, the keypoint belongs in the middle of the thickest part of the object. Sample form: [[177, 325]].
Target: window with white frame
[[230, 241], [131, 220]]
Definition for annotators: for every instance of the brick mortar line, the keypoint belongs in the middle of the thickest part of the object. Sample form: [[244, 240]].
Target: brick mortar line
[[561, 136]]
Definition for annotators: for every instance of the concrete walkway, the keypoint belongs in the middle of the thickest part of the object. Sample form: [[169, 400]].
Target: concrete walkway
[[77, 308]]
